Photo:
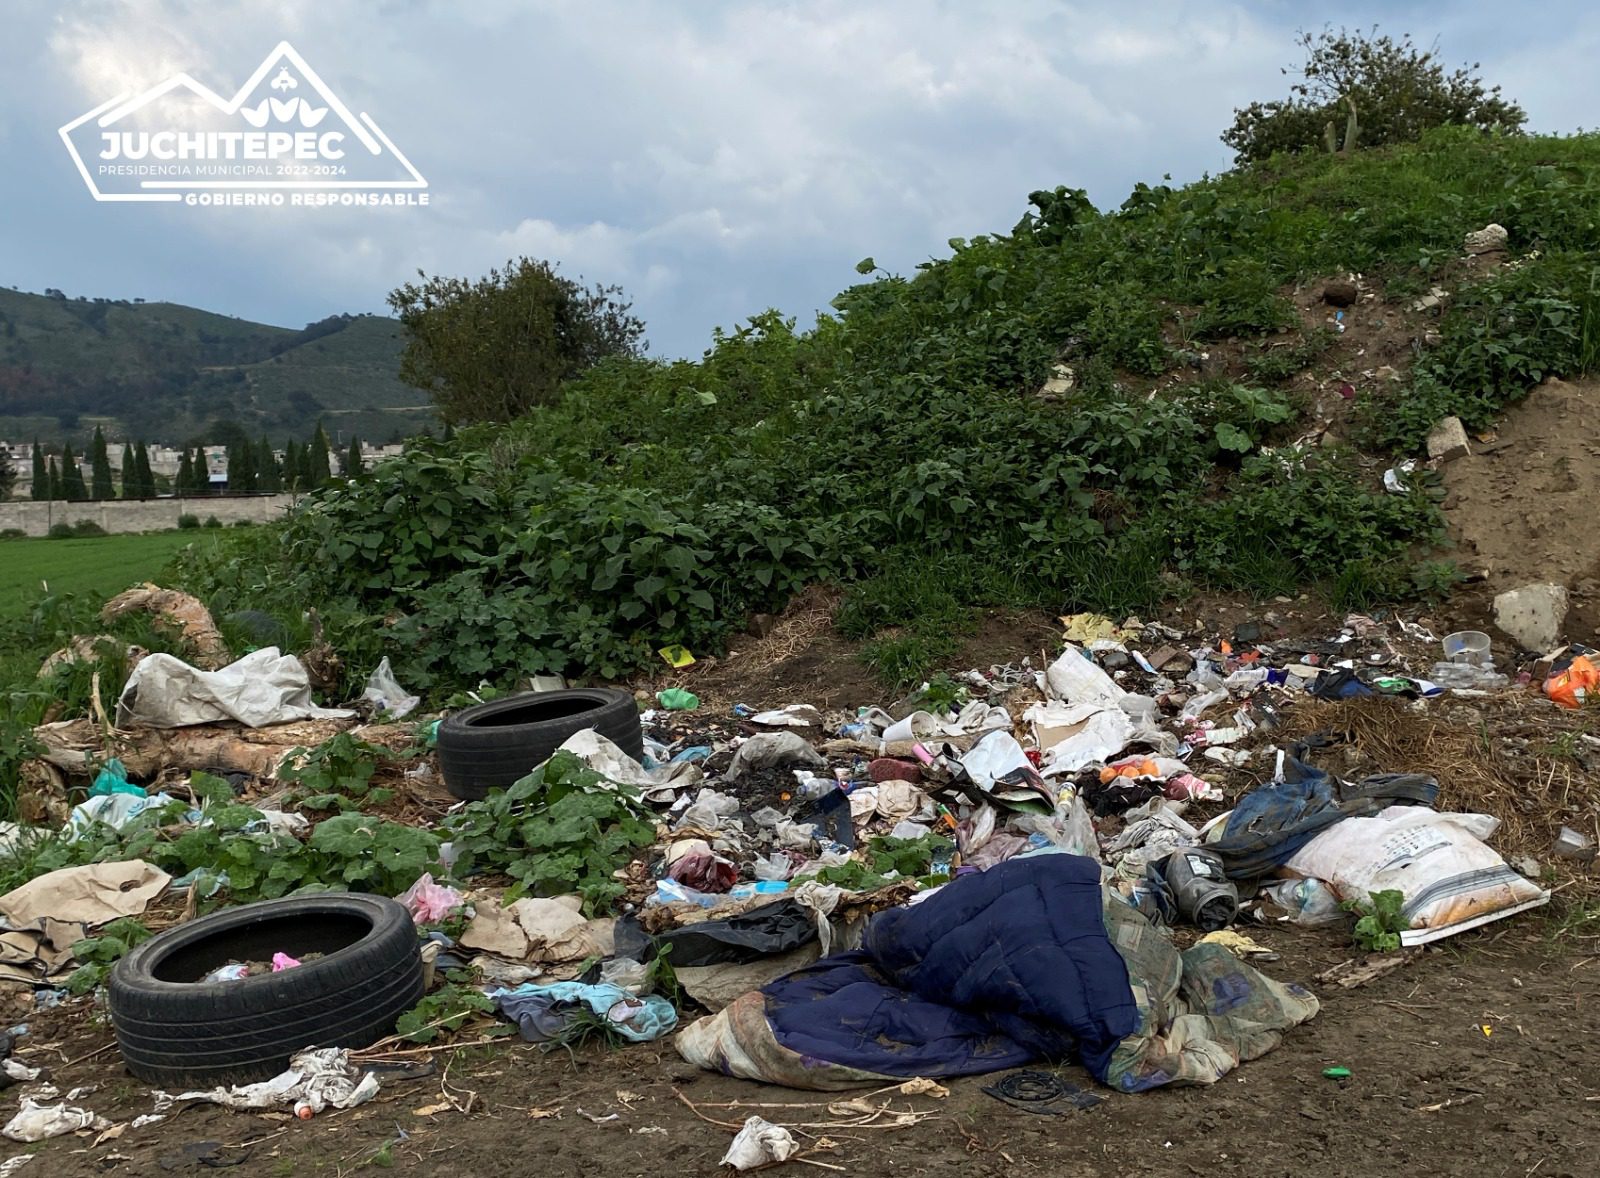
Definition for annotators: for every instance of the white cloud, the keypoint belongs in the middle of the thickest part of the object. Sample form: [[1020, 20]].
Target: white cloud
[[714, 158]]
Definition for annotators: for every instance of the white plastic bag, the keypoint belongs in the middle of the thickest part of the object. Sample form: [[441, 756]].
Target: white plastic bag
[[759, 1143], [1451, 880], [1077, 679], [383, 691]]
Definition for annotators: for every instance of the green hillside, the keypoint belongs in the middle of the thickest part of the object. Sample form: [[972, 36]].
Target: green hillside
[[1197, 390], [164, 372]]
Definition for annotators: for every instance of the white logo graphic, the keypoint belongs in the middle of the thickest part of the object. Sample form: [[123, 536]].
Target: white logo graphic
[[289, 140]]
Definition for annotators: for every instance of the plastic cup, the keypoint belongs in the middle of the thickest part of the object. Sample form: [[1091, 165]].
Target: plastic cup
[[1467, 646]]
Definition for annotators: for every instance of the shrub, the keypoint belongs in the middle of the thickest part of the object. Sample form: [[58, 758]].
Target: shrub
[[212, 522], [187, 521]]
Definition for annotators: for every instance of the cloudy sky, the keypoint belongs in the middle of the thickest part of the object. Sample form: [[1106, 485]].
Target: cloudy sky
[[714, 158]]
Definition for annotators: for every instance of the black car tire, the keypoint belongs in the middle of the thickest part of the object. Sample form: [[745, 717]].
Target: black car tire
[[490, 746], [181, 1033]]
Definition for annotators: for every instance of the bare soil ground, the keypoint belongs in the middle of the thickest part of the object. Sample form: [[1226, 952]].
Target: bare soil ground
[[1518, 503], [1475, 1059]]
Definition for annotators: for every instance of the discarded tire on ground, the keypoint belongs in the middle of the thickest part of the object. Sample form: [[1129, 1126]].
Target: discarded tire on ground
[[491, 745], [176, 1030]]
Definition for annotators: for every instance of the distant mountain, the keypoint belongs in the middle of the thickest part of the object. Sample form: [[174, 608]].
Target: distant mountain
[[164, 372]]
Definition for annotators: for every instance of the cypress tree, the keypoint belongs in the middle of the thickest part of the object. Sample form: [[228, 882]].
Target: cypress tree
[[131, 486], [41, 474], [54, 479], [72, 484], [268, 477], [100, 465], [185, 479], [352, 462], [242, 467], [146, 476], [320, 471], [202, 471]]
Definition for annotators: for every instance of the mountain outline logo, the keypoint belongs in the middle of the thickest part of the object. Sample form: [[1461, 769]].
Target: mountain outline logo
[[290, 137]]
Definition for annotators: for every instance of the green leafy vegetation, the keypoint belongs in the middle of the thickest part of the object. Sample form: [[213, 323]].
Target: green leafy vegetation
[[493, 349], [1366, 90], [887, 860], [1381, 922], [337, 775], [898, 447], [99, 953], [563, 828], [446, 1009], [348, 852]]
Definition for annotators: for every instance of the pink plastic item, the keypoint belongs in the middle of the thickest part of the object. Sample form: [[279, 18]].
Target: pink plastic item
[[282, 961], [428, 902], [1186, 787]]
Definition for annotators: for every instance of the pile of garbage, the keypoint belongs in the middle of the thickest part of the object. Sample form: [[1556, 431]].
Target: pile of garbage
[[991, 871]]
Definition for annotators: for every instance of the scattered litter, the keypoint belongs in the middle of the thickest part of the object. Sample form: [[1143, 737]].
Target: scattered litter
[[317, 1079], [265, 687], [1042, 1093], [760, 1143], [429, 902], [678, 699], [387, 695], [36, 1122]]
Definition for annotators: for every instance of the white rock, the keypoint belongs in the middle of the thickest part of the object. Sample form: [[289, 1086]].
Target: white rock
[[1532, 615], [1448, 440], [1488, 239]]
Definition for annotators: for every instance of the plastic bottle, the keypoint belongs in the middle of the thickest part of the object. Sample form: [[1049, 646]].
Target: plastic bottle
[[1307, 901]]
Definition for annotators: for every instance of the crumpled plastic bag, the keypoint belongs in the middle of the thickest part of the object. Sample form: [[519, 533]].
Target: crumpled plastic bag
[[387, 694], [428, 902], [320, 1078], [774, 748], [265, 687], [1572, 686], [1077, 679], [36, 1122], [793, 716], [1071, 737], [116, 810], [695, 865], [707, 810], [660, 784], [760, 1143]]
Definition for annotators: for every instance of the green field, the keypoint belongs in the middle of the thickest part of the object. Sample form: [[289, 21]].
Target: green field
[[97, 566]]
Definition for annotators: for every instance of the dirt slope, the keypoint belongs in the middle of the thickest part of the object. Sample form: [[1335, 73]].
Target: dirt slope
[[1522, 506]]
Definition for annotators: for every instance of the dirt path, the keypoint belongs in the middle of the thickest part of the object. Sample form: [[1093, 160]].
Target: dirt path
[[1430, 1094]]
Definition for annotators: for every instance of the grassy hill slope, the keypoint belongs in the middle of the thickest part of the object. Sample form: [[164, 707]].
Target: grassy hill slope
[[1096, 409], [161, 371]]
